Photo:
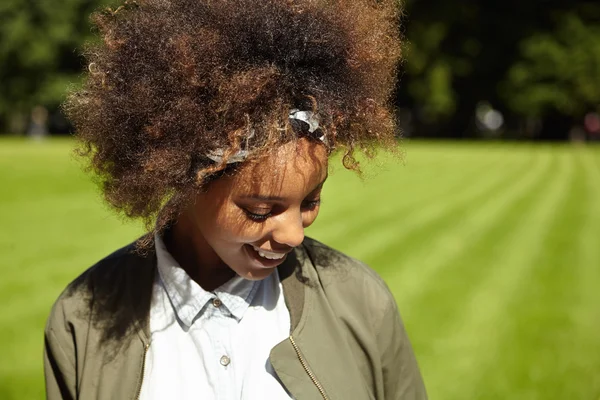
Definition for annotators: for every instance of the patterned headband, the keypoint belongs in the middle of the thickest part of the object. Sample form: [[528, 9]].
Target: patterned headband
[[303, 121]]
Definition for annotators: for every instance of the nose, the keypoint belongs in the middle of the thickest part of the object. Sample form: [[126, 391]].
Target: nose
[[289, 230]]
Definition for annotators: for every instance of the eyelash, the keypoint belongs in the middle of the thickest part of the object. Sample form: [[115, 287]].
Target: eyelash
[[310, 205], [257, 217]]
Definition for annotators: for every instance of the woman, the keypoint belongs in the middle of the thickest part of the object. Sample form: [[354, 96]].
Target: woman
[[213, 122]]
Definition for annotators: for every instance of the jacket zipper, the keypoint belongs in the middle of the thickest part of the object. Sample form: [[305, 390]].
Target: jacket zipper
[[312, 376], [139, 391]]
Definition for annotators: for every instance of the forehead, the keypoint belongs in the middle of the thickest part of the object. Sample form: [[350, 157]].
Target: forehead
[[291, 169]]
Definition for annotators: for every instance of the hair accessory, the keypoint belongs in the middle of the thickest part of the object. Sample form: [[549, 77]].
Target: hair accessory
[[304, 121], [241, 155]]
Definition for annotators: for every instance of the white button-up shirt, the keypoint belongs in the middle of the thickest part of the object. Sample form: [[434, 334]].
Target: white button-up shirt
[[213, 345]]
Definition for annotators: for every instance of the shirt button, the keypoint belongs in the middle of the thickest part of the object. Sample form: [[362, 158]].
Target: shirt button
[[217, 302], [225, 361]]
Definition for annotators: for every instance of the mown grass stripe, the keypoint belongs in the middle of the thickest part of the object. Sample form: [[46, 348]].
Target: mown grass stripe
[[376, 240], [44, 249], [584, 360], [471, 344], [353, 200], [440, 301], [390, 221], [541, 329], [405, 177], [358, 230], [415, 267]]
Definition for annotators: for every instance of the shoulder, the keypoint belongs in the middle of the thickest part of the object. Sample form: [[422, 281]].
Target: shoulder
[[106, 297], [107, 268], [375, 334], [350, 281], [338, 268]]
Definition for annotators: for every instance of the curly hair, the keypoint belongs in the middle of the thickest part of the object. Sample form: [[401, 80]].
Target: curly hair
[[172, 80]]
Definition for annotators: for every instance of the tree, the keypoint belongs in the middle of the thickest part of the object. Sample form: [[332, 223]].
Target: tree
[[40, 42], [458, 53], [558, 71]]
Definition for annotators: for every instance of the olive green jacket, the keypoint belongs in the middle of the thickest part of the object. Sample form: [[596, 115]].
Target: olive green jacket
[[346, 342]]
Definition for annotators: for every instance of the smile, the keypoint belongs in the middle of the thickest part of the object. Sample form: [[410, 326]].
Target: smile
[[268, 254]]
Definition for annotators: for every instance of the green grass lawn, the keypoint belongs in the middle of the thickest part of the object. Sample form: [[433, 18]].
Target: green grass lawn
[[492, 251]]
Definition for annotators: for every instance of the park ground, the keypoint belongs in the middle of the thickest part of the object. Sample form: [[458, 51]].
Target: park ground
[[491, 250]]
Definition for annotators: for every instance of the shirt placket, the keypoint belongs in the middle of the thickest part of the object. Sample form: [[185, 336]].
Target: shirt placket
[[224, 360]]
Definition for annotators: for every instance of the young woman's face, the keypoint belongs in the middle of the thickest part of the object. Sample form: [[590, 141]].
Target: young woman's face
[[250, 221]]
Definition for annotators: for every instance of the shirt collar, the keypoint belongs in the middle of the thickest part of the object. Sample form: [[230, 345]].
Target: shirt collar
[[189, 300]]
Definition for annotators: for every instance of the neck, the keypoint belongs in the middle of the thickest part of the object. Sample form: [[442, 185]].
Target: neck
[[190, 249]]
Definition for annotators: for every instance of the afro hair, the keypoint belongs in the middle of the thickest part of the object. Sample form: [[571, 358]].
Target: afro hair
[[172, 80]]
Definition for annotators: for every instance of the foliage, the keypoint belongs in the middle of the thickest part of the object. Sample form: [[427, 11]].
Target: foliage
[[40, 43], [536, 58], [460, 54], [433, 62], [432, 86], [558, 70]]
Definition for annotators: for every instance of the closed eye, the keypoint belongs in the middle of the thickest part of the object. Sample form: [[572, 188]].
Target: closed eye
[[257, 217], [311, 205]]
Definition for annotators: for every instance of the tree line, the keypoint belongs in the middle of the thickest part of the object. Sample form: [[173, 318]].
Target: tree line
[[510, 69]]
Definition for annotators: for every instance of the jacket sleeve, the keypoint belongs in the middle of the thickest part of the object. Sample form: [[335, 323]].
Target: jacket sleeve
[[59, 357], [401, 375]]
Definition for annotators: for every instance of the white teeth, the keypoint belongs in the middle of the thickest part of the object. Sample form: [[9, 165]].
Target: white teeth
[[268, 255]]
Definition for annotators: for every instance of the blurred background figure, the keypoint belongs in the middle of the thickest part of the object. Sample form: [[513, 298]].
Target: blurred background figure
[[38, 126], [592, 125]]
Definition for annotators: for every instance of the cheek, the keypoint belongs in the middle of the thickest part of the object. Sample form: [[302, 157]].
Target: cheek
[[308, 217], [232, 225]]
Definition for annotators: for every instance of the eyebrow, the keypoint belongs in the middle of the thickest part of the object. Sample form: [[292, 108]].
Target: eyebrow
[[260, 197]]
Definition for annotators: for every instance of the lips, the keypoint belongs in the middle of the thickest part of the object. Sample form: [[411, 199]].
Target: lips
[[267, 259], [269, 254]]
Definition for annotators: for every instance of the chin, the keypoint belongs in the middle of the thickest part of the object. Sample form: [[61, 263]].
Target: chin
[[250, 267], [254, 274]]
